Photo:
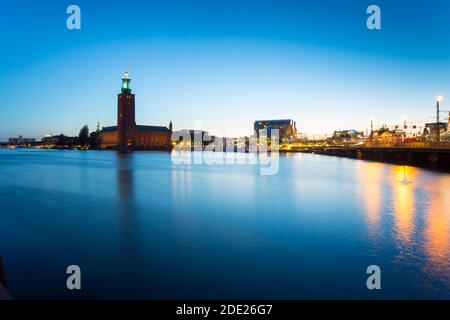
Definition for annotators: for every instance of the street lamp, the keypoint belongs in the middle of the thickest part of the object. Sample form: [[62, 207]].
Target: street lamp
[[404, 121], [371, 129], [438, 131]]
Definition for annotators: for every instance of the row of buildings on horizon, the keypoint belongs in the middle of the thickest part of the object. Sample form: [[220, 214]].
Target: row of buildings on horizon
[[127, 135]]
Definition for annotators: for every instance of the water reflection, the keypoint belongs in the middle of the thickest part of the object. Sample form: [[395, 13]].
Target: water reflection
[[125, 176], [437, 232], [181, 185], [371, 174], [146, 228], [419, 208], [403, 201], [127, 211]]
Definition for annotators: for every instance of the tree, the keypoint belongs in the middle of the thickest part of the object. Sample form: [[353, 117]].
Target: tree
[[84, 135], [62, 140]]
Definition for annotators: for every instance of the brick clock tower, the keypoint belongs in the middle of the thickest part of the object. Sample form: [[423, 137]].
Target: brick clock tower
[[126, 121]]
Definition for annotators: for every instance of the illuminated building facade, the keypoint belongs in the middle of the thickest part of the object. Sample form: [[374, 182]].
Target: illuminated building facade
[[21, 141], [127, 135], [287, 128]]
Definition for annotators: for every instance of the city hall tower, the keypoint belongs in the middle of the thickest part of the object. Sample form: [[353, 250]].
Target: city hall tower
[[126, 135], [126, 119]]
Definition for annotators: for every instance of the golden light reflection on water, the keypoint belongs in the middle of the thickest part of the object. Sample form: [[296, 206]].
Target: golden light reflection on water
[[420, 211], [403, 200], [371, 175], [437, 226]]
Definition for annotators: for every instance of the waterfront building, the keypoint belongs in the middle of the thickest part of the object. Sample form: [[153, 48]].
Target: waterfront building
[[126, 135], [430, 128], [50, 140], [445, 136], [386, 135], [195, 139], [343, 137], [21, 141], [287, 128], [411, 131]]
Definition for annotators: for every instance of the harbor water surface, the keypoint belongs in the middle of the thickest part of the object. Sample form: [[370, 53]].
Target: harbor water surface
[[141, 226]]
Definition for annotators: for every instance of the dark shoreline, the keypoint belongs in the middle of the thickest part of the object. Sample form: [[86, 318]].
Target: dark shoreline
[[433, 159]]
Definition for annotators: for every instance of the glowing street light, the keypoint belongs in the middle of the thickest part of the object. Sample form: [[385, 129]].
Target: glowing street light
[[438, 131]]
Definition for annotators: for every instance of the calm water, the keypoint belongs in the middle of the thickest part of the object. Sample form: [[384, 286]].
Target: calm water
[[140, 226]]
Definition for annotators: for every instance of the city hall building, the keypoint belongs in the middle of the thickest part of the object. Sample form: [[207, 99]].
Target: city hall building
[[127, 135]]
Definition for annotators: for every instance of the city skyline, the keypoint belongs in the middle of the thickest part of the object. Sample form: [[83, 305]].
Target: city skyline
[[225, 65], [215, 158]]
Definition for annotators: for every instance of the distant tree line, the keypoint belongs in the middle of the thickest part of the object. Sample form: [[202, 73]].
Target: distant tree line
[[84, 139]]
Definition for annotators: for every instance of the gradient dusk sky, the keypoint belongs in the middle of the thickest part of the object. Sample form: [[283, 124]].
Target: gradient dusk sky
[[222, 63]]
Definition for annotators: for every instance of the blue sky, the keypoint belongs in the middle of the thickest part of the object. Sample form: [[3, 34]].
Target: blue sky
[[222, 63]]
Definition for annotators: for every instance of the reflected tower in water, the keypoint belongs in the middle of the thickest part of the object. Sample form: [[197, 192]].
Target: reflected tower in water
[[128, 234], [125, 178], [126, 190]]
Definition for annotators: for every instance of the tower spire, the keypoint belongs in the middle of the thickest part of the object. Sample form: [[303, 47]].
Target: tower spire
[[126, 83]]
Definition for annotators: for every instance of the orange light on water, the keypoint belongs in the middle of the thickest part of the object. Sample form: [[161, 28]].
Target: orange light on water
[[437, 225], [403, 201], [371, 176]]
